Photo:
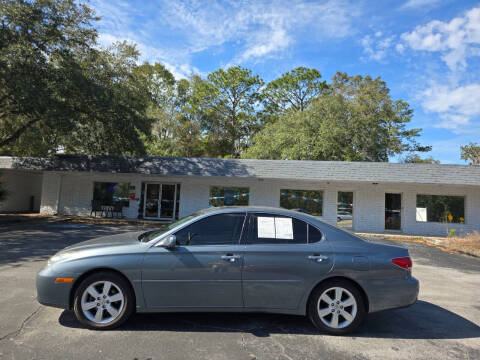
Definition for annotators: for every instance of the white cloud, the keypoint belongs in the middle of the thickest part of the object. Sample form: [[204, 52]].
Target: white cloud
[[255, 30], [413, 4], [456, 40], [456, 106], [376, 48]]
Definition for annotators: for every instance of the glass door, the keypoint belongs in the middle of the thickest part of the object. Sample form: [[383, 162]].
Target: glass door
[[167, 207], [160, 201], [151, 207], [393, 211]]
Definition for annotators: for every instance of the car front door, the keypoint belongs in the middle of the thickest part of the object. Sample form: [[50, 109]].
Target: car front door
[[284, 258], [203, 270]]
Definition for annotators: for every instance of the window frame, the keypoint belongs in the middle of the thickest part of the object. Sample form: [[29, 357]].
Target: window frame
[[240, 238], [440, 222], [249, 226]]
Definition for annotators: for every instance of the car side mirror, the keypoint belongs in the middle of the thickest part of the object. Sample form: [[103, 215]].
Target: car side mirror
[[169, 242]]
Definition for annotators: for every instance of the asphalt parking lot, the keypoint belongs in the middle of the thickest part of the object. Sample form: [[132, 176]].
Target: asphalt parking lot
[[443, 324]]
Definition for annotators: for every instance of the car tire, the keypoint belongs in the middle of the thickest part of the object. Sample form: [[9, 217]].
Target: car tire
[[338, 299], [103, 301]]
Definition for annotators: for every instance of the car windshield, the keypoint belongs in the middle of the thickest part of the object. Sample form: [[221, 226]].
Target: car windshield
[[153, 234]]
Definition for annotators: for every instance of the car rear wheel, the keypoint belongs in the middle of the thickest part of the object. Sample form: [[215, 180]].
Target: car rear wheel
[[336, 307], [103, 301]]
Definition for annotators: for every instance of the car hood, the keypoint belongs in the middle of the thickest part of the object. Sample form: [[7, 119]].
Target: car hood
[[107, 241]]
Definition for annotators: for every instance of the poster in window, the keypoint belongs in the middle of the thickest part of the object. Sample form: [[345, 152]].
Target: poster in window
[[283, 228], [266, 227]]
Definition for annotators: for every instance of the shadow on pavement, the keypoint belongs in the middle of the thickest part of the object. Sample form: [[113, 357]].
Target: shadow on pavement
[[421, 321], [39, 242]]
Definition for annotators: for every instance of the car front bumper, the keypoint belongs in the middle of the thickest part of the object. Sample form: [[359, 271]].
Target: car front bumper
[[51, 293]]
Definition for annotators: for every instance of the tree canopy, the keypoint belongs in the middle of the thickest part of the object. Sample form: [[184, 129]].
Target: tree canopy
[[471, 152], [58, 90], [61, 92], [355, 121]]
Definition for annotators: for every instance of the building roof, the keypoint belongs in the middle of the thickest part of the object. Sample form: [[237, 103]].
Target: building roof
[[267, 169]]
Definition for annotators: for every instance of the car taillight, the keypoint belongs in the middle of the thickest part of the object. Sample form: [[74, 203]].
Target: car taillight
[[403, 262]]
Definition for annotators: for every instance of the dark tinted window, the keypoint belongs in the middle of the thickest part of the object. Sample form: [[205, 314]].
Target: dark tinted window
[[274, 231], [314, 235], [223, 229]]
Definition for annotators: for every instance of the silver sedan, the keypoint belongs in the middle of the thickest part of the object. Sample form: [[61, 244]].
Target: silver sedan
[[235, 259]]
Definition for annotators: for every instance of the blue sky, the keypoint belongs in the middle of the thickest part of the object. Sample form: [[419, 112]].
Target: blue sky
[[428, 51]]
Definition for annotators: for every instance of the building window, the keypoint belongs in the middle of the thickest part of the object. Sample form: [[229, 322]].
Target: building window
[[440, 208], [228, 196], [306, 201], [345, 209], [109, 193]]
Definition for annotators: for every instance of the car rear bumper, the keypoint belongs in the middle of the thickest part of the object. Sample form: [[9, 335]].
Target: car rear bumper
[[391, 294], [51, 293]]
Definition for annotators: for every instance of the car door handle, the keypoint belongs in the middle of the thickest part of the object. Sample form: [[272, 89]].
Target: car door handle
[[231, 257], [317, 258]]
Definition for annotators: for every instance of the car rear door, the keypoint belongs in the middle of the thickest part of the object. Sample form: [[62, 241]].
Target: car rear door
[[203, 272], [284, 258]]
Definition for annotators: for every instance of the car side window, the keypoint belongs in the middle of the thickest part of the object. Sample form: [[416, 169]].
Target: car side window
[[276, 229], [314, 235], [221, 229]]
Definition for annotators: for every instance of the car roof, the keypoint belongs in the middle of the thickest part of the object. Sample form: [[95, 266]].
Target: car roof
[[256, 209]]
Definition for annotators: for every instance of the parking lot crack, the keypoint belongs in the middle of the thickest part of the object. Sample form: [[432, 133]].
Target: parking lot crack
[[22, 325]]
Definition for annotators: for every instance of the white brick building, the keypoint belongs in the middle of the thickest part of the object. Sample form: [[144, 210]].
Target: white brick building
[[424, 199]]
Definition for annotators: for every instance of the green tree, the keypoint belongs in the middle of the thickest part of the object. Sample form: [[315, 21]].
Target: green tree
[[356, 121], [294, 90], [176, 128], [471, 152], [227, 101], [58, 90], [416, 159]]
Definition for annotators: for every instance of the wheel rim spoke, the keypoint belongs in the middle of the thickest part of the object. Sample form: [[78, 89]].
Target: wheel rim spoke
[[106, 287], [326, 298], [324, 312], [348, 302], [338, 294], [112, 311], [89, 305], [116, 297], [99, 315], [334, 322], [347, 316], [93, 292]]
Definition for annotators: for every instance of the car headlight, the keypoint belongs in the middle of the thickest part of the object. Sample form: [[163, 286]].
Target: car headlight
[[60, 257]]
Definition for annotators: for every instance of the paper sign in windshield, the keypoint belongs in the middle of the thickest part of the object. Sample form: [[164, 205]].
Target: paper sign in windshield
[[275, 228], [283, 228], [266, 227]]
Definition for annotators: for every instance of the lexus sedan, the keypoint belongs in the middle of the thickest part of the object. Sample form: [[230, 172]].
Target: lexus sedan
[[234, 259]]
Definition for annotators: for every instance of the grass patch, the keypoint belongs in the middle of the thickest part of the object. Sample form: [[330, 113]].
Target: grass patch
[[470, 243]]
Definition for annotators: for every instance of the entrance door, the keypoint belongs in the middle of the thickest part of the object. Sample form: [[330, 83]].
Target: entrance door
[[393, 211], [160, 201]]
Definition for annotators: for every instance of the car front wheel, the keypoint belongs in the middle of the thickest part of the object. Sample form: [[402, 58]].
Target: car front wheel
[[103, 301], [336, 307]]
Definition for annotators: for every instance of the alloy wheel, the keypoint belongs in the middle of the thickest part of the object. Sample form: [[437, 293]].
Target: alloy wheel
[[337, 307], [102, 302]]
